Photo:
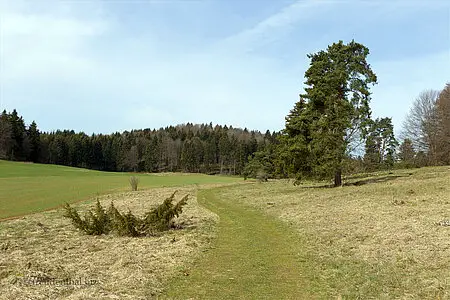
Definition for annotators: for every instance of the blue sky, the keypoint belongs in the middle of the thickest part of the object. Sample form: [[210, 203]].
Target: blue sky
[[106, 66]]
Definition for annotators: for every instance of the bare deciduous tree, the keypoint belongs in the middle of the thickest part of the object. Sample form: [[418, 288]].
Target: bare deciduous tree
[[132, 158], [443, 114], [421, 125]]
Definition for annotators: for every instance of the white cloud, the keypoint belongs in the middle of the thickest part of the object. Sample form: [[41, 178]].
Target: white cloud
[[75, 67], [43, 46], [52, 51], [16, 24], [274, 27]]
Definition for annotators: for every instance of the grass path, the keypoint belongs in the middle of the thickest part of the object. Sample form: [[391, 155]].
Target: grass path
[[380, 240], [255, 256]]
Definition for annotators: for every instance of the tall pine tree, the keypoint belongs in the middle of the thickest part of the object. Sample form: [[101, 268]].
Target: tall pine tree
[[6, 139], [334, 107], [380, 145], [35, 143], [18, 136]]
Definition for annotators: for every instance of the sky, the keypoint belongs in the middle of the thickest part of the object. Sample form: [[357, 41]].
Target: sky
[[107, 66]]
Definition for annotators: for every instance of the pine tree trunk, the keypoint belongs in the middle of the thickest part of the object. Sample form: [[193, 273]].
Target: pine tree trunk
[[338, 178]]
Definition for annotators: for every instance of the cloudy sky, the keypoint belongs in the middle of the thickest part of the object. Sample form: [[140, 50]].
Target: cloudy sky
[[106, 66]]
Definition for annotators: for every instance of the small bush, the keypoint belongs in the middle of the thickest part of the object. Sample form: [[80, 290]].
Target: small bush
[[161, 217], [262, 176], [73, 215], [94, 223], [134, 181], [100, 222]]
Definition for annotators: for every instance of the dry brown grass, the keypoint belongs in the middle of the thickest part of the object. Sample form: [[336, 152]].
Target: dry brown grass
[[385, 239], [46, 245]]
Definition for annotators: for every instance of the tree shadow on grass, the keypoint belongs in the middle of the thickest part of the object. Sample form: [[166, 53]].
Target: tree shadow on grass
[[364, 175], [359, 182], [374, 174], [374, 180]]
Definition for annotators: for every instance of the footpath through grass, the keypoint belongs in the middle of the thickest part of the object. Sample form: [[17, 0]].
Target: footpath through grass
[[383, 236], [27, 188], [255, 256]]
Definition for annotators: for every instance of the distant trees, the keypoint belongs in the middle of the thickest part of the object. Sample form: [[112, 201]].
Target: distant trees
[[317, 140], [18, 134], [132, 159], [406, 154], [380, 145], [420, 125], [333, 109], [34, 142], [17, 142], [443, 134], [261, 165], [187, 147], [427, 127], [6, 139]]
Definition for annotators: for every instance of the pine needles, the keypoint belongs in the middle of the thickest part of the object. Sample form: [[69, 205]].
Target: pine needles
[[100, 221]]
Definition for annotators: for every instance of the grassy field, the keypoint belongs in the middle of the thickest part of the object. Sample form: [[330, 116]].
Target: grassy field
[[27, 188], [383, 236], [45, 246]]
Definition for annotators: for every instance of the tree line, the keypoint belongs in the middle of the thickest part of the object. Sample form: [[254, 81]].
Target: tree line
[[332, 119], [18, 142], [322, 137], [426, 130], [201, 148]]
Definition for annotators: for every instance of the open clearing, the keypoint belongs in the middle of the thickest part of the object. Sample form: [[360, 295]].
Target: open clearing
[[383, 236], [45, 246], [26, 188]]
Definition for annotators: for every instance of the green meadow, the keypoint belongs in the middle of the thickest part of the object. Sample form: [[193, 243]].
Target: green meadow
[[381, 235], [27, 188]]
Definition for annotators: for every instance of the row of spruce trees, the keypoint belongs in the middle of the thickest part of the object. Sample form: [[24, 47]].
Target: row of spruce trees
[[189, 148], [329, 132]]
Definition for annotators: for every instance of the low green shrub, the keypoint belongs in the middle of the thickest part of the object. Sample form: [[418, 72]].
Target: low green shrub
[[262, 176], [101, 221]]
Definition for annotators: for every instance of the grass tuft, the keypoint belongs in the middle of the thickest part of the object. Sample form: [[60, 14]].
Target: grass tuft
[[134, 182]]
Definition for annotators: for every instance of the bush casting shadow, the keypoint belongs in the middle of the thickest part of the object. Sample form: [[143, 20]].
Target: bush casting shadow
[[101, 221]]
